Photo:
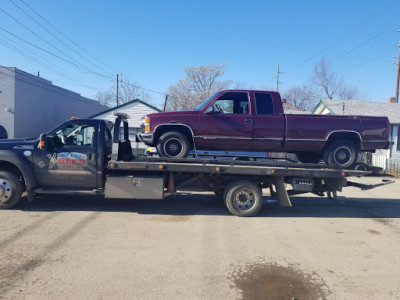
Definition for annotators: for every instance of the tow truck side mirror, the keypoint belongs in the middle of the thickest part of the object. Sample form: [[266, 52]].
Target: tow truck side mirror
[[43, 141]]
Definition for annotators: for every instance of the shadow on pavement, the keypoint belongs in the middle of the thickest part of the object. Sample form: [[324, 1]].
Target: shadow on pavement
[[208, 204]]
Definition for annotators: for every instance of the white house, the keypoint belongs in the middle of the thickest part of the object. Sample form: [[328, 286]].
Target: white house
[[366, 108], [136, 110]]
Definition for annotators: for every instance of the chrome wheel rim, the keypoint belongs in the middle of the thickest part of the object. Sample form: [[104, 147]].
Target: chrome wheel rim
[[5, 190], [244, 199], [342, 156], [173, 147]]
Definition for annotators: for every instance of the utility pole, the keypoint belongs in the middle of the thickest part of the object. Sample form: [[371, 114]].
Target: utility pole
[[277, 79], [398, 76], [165, 102], [117, 89]]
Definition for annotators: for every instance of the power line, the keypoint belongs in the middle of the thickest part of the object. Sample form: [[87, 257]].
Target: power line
[[51, 53], [43, 84], [332, 43], [44, 40], [80, 67], [142, 88], [25, 52], [61, 33], [56, 37]]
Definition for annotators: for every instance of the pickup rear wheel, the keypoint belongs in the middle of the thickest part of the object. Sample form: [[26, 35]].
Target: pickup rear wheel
[[10, 190], [341, 154], [243, 198], [173, 144]]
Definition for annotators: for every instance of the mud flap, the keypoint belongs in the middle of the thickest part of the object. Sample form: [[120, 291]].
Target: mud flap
[[281, 193]]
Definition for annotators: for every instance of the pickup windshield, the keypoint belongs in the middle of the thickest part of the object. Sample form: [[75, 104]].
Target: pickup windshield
[[204, 104]]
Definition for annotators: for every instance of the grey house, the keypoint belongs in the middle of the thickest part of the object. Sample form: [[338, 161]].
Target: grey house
[[30, 105], [382, 158]]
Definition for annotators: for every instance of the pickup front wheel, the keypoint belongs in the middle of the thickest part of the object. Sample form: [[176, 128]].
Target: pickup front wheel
[[173, 144], [341, 154], [10, 190]]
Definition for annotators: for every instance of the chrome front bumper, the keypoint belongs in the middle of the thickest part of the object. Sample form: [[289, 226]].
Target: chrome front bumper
[[147, 138]]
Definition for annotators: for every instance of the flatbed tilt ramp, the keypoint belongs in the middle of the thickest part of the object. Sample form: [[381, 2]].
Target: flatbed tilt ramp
[[238, 183]]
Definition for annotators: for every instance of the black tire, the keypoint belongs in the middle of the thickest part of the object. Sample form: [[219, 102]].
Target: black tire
[[173, 144], [243, 198], [10, 190], [242, 158], [361, 167], [309, 157], [341, 154]]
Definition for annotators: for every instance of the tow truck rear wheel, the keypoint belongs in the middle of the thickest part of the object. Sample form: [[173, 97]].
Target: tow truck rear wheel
[[10, 190], [243, 198], [173, 144]]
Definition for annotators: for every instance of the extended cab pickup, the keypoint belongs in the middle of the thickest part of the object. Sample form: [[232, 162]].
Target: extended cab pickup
[[244, 120]]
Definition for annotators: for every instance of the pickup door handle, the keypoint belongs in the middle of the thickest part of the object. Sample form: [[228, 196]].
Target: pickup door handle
[[248, 120]]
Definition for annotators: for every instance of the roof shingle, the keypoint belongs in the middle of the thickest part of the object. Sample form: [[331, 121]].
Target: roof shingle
[[365, 108]]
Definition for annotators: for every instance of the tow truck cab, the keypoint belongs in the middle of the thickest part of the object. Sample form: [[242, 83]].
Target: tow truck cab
[[73, 155]]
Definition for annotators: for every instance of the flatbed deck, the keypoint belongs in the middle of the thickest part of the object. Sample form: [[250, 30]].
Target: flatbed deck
[[233, 167]]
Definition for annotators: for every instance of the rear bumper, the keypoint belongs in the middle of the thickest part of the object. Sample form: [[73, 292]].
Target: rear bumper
[[375, 144], [147, 138], [389, 145]]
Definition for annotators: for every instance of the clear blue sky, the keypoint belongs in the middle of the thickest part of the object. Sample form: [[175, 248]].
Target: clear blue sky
[[151, 42]]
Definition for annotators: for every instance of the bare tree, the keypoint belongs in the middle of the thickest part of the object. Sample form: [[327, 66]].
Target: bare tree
[[106, 98], [300, 96], [127, 91], [198, 85], [328, 84]]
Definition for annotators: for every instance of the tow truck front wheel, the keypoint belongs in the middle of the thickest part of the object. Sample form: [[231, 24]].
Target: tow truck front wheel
[[173, 144], [243, 198], [10, 190]]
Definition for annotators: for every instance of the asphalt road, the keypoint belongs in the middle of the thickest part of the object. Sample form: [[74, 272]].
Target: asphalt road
[[190, 247]]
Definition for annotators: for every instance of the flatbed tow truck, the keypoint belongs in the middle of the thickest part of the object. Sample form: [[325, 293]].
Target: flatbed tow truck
[[82, 157]]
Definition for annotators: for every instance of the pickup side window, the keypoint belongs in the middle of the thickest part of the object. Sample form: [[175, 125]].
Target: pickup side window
[[74, 135], [264, 104], [232, 103]]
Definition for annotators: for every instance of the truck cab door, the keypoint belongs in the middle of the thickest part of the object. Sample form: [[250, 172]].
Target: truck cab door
[[70, 158], [269, 123], [227, 124]]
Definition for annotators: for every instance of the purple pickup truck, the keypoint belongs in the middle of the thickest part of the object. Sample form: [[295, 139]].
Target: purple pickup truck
[[244, 120]]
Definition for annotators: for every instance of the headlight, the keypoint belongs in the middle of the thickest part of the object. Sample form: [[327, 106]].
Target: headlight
[[146, 124]]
